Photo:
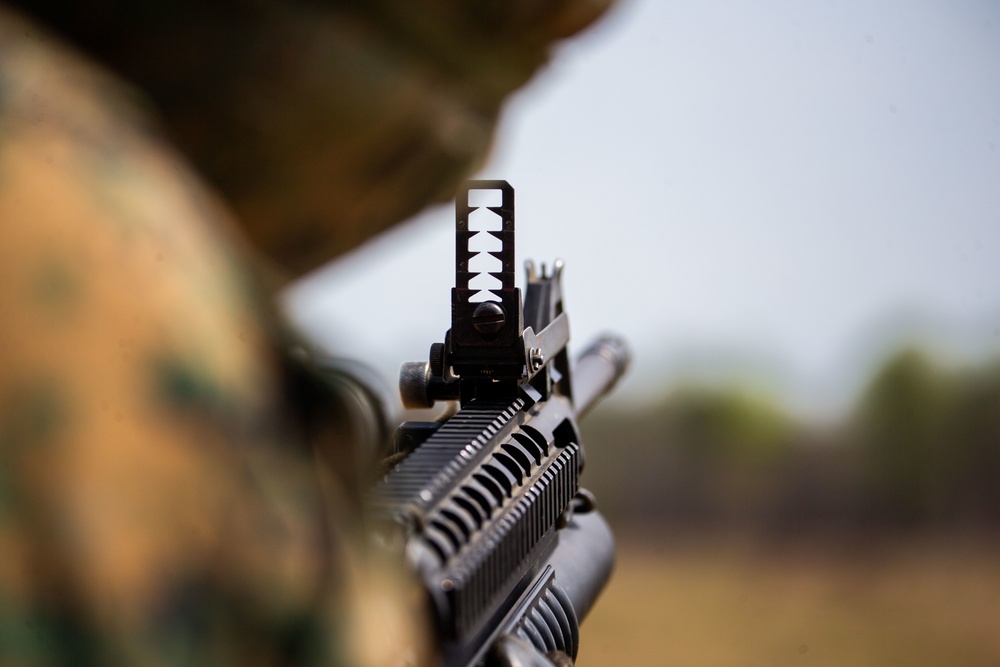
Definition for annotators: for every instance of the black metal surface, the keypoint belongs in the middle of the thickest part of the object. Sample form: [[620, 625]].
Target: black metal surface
[[597, 371], [477, 498], [584, 560], [427, 475], [484, 502], [476, 353]]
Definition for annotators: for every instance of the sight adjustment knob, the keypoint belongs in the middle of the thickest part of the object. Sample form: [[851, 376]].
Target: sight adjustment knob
[[414, 382]]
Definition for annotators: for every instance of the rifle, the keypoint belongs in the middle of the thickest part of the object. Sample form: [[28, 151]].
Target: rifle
[[486, 504]]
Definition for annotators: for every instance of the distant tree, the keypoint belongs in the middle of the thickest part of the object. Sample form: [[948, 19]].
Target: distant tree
[[728, 425], [921, 449], [972, 437], [900, 426], [701, 455]]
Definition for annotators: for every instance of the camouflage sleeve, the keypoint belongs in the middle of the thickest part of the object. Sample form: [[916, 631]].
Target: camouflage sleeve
[[157, 504]]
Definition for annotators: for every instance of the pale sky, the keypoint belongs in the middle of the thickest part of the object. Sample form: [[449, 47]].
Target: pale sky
[[775, 190]]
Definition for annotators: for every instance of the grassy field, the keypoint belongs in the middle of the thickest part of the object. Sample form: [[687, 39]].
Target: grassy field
[[730, 602]]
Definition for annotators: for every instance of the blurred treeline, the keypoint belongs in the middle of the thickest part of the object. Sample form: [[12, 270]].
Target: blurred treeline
[[919, 450]]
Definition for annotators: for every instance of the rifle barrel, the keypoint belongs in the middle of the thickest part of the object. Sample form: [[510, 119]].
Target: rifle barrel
[[597, 371]]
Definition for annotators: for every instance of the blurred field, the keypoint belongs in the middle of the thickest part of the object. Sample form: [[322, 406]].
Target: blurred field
[[730, 602]]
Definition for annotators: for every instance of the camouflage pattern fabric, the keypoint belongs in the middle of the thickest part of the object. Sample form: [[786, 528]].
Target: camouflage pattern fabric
[[324, 121], [158, 501], [162, 501]]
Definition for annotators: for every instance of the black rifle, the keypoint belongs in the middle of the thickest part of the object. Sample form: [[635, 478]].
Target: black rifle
[[511, 551]]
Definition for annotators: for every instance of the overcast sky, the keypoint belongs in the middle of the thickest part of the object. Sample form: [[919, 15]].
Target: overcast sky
[[774, 190]]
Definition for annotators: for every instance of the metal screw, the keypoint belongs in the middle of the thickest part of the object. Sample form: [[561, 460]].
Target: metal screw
[[535, 358], [489, 317]]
